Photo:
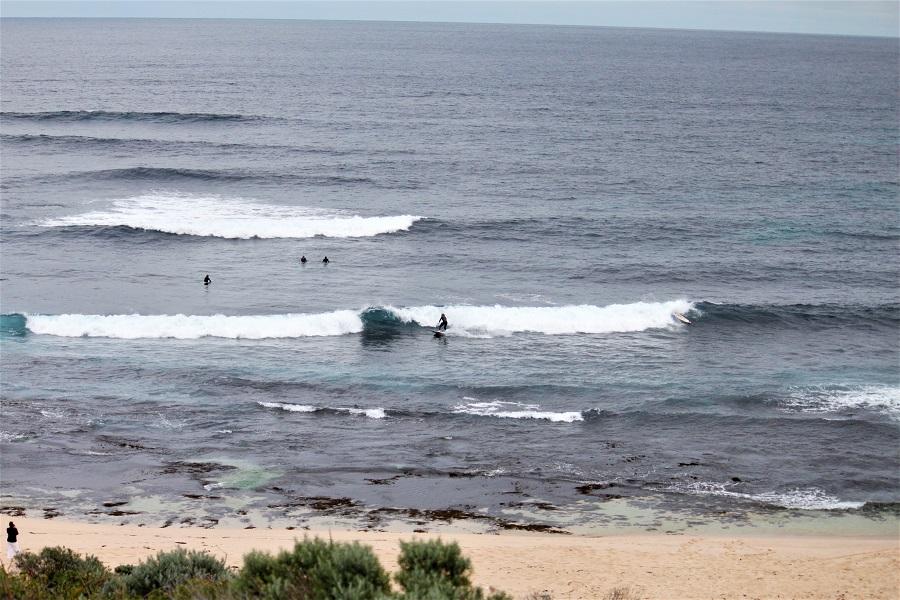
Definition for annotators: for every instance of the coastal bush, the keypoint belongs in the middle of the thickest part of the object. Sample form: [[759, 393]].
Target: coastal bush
[[62, 572], [433, 570], [314, 570], [167, 570]]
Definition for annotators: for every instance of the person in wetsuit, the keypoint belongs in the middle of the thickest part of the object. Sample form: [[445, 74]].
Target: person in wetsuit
[[325, 260], [303, 260], [207, 280], [442, 323]]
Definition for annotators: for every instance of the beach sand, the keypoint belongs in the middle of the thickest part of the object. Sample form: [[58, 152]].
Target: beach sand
[[564, 566]]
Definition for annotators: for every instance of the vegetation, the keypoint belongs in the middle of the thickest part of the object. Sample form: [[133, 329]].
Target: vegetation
[[313, 570]]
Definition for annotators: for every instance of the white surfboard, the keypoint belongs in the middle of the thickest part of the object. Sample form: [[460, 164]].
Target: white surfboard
[[682, 318]]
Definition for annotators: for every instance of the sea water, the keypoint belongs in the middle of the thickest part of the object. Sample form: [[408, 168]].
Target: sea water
[[558, 192]]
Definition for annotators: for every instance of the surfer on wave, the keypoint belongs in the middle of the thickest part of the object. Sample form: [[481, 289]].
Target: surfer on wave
[[442, 323]]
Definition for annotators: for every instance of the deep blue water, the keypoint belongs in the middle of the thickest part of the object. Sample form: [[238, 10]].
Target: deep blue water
[[558, 192]]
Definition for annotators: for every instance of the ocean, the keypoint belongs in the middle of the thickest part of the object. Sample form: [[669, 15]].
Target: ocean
[[558, 192]]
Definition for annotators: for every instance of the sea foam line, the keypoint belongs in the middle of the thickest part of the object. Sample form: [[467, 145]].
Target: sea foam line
[[231, 218]]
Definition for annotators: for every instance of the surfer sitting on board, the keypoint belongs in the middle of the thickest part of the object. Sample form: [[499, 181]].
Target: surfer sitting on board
[[442, 324], [206, 280], [303, 259], [325, 260]]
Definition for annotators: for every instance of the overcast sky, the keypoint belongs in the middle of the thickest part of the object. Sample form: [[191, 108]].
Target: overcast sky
[[879, 18]]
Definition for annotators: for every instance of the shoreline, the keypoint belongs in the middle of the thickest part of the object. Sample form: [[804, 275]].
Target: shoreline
[[651, 565]]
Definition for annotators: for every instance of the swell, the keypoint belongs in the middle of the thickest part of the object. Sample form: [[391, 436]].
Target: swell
[[798, 315], [167, 175], [69, 116], [86, 143]]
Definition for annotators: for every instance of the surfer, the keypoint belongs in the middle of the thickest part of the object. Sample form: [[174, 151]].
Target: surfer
[[325, 260], [207, 280], [303, 260], [442, 323]]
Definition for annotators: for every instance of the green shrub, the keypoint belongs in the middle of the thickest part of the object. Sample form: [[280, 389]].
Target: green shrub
[[314, 570], [168, 570], [62, 572], [433, 570]]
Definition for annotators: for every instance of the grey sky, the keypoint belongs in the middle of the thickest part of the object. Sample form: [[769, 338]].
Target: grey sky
[[878, 18]]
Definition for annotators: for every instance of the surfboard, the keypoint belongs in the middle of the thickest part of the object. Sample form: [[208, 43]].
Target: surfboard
[[682, 318], [437, 333]]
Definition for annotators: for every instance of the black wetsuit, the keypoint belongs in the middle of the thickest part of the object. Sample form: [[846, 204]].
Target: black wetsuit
[[303, 259], [325, 260], [206, 280], [12, 535], [442, 324]]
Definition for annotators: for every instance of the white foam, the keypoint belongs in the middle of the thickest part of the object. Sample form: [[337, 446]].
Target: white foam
[[289, 407], [188, 327], [496, 320], [884, 399], [515, 410], [372, 413], [804, 499], [9, 436], [233, 218], [468, 321]]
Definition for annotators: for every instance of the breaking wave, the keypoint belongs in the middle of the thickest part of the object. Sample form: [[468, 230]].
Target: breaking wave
[[233, 218], [884, 399], [186, 327], [481, 321], [515, 410], [372, 413], [804, 499]]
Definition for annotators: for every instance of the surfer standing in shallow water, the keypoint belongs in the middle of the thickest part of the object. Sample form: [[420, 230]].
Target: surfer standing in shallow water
[[442, 323]]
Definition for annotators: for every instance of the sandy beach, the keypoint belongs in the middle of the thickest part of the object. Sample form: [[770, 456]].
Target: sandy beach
[[651, 566]]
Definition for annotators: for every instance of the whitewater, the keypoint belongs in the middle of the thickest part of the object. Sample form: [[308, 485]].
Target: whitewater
[[231, 218], [473, 321]]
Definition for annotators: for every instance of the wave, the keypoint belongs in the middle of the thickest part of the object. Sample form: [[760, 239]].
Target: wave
[[804, 499], [514, 410], [492, 321], [231, 218], [480, 321], [68, 116], [189, 327], [372, 413], [825, 399]]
